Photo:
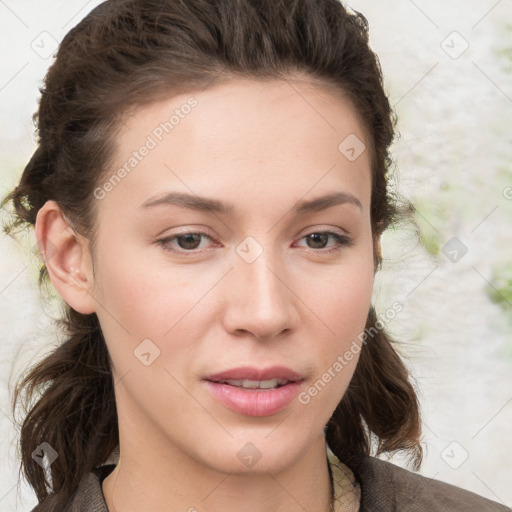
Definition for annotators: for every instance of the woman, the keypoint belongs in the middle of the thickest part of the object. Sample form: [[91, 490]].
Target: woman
[[208, 193]]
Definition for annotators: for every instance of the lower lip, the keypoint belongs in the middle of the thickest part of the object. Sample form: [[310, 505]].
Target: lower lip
[[254, 402]]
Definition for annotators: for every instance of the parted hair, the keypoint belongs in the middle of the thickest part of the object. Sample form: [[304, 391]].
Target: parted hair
[[128, 53]]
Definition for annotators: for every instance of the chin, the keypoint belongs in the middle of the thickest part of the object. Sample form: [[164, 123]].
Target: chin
[[254, 453]]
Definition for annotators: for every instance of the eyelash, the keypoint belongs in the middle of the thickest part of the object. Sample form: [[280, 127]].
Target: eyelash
[[341, 241]]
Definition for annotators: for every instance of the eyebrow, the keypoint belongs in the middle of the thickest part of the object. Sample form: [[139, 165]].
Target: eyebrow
[[199, 203]]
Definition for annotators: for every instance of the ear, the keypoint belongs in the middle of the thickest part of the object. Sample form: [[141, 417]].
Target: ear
[[67, 258]]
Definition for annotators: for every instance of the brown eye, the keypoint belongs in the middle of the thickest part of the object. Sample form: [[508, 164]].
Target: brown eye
[[183, 243], [189, 241], [319, 240]]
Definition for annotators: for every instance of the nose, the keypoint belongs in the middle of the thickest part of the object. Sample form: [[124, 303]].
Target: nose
[[260, 299]]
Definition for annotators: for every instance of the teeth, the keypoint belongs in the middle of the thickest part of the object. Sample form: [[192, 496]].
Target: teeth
[[256, 384]]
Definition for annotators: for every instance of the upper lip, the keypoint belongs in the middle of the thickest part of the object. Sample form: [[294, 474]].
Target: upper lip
[[258, 374]]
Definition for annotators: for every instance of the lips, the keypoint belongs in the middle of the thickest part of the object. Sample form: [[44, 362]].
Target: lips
[[281, 373], [255, 392]]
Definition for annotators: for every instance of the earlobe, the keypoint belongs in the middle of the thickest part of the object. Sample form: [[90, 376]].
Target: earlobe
[[67, 258]]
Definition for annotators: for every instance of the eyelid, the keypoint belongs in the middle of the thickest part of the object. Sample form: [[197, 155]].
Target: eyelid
[[325, 229]]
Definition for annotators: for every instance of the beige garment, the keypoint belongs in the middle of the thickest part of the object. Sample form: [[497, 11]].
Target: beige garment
[[347, 492]]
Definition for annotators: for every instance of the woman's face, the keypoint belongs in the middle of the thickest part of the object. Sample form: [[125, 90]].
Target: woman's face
[[217, 261]]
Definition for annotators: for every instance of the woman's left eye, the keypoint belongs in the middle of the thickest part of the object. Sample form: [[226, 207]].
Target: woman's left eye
[[321, 238], [189, 242]]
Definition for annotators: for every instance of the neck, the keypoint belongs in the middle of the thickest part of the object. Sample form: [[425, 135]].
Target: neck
[[156, 475]]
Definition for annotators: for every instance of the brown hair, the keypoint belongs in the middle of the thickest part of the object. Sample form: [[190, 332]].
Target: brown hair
[[128, 53]]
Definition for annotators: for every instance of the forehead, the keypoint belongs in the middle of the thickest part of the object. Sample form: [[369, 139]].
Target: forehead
[[274, 138]]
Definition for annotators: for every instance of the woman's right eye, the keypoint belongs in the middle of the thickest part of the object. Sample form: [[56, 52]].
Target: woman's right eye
[[187, 242]]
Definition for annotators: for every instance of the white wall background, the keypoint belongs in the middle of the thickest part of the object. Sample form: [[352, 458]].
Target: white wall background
[[454, 158]]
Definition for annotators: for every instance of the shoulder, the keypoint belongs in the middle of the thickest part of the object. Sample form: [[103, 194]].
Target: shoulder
[[89, 495], [387, 487]]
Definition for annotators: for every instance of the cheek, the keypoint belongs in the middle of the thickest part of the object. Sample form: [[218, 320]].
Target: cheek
[[349, 299], [342, 304], [145, 300], [162, 306], [341, 299]]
